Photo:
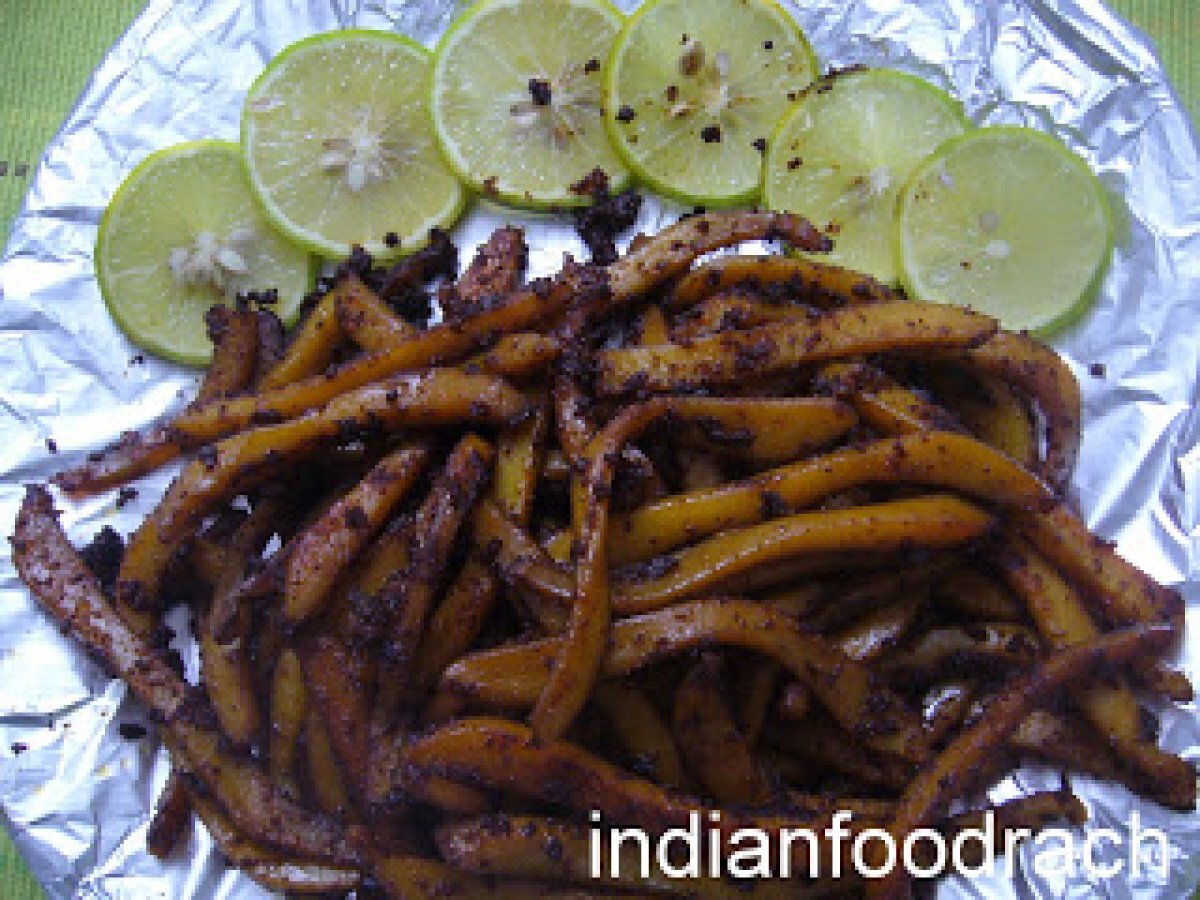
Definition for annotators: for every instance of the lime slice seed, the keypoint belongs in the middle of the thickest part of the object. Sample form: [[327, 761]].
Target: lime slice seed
[[182, 233], [339, 148], [1010, 222], [694, 89], [840, 156], [517, 99]]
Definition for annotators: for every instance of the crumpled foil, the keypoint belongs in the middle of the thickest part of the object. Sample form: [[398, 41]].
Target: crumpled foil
[[76, 795]]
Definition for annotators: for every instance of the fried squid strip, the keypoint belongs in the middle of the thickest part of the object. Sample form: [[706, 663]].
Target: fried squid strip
[[1063, 620], [439, 344], [314, 345], [289, 709], [325, 549], [953, 771], [732, 311], [730, 357], [512, 677], [520, 355], [457, 620], [418, 878], [992, 410], [337, 685], [933, 521], [366, 320], [505, 756], [793, 277], [641, 732], [764, 554], [439, 396], [935, 459], [234, 334], [1039, 372], [673, 250], [574, 672], [68, 591], [560, 850], [652, 327], [408, 595], [172, 818], [268, 866], [881, 402], [767, 431], [1126, 595], [713, 747]]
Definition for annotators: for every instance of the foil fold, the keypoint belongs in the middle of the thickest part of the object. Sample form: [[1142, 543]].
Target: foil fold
[[76, 795]]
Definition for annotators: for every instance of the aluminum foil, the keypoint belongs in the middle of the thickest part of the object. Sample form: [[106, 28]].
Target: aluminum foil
[[76, 795]]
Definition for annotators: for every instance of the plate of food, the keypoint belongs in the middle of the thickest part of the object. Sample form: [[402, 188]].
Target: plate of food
[[563, 449]]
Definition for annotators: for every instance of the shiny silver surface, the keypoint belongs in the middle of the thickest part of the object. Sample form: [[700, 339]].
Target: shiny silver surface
[[77, 797]]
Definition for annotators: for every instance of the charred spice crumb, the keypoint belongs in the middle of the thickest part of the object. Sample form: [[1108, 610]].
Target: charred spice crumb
[[539, 91]]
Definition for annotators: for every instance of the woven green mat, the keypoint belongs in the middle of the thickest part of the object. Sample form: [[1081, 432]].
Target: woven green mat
[[48, 49]]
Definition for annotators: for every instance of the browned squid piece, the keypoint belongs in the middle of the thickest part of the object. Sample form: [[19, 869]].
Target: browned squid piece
[[408, 596], [68, 591], [235, 335], [496, 271]]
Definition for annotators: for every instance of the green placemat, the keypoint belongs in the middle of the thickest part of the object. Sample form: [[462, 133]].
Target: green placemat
[[48, 49]]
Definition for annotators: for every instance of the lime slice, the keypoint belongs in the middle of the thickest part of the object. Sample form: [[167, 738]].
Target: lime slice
[[339, 149], [842, 153], [181, 233], [1009, 222], [516, 98], [694, 88]]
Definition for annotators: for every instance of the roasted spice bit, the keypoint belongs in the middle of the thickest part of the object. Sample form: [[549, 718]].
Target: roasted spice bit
[[691, 60], [489, 185], [599, 225], [51, 446], [760, 144], [773, 505], [649, 570], [711, 134], [132, 731], [794, 163], [768, 45], [495, 271], [553, 848], [625, 114], [391, 239], [103, 557], [718, 432], [539, 91], [207, 457], [125, 496], [592, 65], [594, 184], [1097, 370]]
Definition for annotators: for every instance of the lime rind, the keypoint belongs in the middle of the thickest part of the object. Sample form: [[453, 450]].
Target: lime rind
[[480, 177], [312, 197], [1053, 309], [667, 182], [155, 311], [925, 116]]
